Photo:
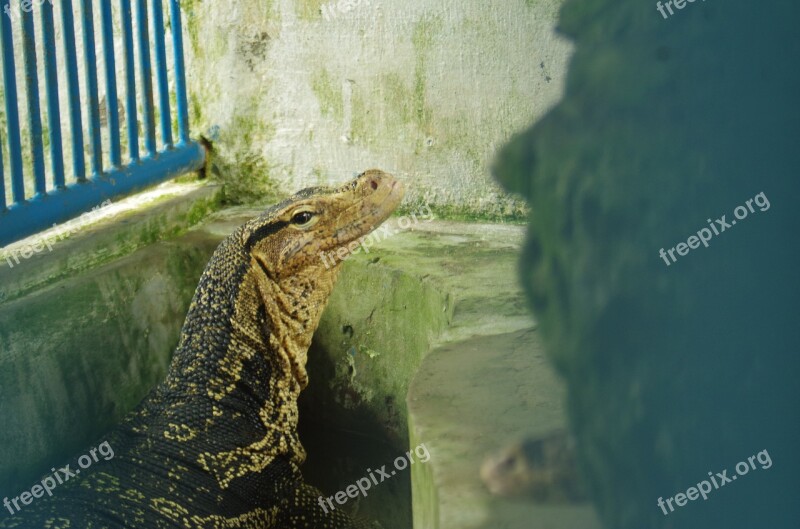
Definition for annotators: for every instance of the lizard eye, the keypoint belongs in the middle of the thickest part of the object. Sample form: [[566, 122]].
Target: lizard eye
[[303, 217]]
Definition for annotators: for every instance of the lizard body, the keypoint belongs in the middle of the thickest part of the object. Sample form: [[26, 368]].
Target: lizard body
[[215, 445]]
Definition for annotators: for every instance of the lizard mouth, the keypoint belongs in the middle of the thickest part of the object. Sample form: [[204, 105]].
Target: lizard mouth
[[379, 195], [345, 216]]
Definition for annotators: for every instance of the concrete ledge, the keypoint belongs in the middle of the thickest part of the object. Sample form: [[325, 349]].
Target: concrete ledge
[[485, 383], [104, 234]]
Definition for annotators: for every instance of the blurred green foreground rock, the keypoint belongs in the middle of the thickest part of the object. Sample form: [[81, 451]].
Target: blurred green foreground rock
[[676, 370]]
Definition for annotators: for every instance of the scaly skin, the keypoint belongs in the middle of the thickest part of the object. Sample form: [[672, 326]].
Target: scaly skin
[[215, 445]]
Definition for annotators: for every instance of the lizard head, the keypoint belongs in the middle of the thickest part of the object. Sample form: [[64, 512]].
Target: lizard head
[[288, 275], [294, 237]]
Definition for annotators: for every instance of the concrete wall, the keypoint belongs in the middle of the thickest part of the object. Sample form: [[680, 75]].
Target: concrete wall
[[305, 92], [88, 323]]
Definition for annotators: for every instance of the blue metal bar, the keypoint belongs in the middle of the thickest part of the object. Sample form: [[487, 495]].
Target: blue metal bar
[[12, 112], [180, 71], [53, 107], [161, 73], [90, 63], [32, 93], [24, 216], [63, 204], [130, 79], [2, 179], [147, 81], [73, 88], [111, 82]]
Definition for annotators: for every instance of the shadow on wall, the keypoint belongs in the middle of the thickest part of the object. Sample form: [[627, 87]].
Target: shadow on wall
[[662, 257]]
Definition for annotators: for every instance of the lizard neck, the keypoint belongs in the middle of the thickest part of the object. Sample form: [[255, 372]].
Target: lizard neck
[[242, 359]]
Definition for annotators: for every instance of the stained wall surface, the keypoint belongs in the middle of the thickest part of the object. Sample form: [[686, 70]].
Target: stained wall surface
[[303, 92]]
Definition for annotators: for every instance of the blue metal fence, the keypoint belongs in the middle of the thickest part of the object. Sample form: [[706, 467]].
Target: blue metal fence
[[40, 198]]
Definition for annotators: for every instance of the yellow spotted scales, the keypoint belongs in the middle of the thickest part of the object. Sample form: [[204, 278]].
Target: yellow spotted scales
[[215, 445]]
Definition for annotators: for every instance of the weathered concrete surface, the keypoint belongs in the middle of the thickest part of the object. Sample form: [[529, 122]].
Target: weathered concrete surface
[[486, 384], [427, 90], [102, 235], [469, 399], [80, 343], [675, 370]]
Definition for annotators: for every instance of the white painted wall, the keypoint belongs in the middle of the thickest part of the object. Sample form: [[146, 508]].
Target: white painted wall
[[425, 89]]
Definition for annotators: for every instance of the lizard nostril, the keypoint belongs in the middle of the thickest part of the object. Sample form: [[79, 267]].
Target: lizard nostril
[[373, 184]]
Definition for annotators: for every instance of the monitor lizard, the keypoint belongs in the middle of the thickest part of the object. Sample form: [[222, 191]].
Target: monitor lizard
[[215, 445]]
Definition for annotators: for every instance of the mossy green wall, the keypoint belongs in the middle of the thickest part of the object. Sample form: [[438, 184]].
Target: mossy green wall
[[78, 355], [427, 90]]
